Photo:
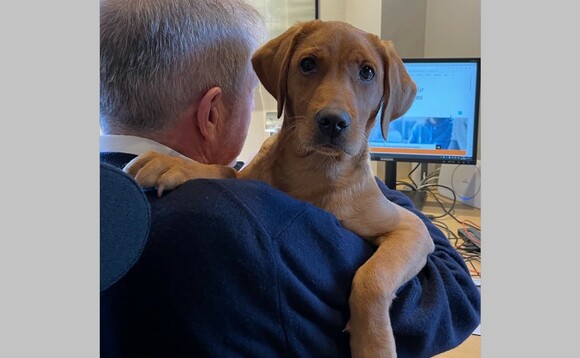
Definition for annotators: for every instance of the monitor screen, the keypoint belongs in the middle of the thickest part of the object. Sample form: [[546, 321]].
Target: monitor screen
[[441, 124]]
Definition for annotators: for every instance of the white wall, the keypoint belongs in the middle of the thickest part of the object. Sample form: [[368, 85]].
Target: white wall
[[433, 28], [403, 22], [332, 9], [453, 28], [364, 14]]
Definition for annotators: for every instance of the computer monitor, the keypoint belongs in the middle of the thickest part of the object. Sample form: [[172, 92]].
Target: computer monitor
[[442, 123]]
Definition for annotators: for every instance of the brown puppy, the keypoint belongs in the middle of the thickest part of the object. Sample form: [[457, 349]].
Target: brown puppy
[[331, 80]]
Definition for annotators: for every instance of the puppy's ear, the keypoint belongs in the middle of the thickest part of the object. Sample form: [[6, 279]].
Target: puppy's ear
[[271, 63], [399, 88]]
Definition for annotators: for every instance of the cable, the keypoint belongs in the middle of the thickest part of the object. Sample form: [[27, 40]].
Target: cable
[[400, 182], [444, 226], [411, 179], [427, 180], [466, 247], [427, 186], [446, 212], [472, 224], [433, 175], [470, 253]]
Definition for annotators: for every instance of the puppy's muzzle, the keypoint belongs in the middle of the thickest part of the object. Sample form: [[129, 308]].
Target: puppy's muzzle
[[332, 123]]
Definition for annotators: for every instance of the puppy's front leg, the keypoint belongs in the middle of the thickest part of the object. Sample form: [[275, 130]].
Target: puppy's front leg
[[403, 245], [369, 326]]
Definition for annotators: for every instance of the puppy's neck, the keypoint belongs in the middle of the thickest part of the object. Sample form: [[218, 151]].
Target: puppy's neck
[[314, 176]]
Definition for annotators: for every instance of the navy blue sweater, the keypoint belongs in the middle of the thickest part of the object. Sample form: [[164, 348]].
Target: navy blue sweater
[[235, 268]]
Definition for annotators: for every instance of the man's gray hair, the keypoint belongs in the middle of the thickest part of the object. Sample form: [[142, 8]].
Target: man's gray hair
[[157, 56]]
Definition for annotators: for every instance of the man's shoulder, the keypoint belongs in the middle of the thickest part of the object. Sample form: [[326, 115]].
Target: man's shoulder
[[249, 193], [234, 202]]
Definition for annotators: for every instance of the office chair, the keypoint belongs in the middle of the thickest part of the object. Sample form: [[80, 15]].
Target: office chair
[[125, 221]]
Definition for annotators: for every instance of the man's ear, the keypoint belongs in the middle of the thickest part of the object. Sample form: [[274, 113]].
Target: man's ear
[[207, 115]]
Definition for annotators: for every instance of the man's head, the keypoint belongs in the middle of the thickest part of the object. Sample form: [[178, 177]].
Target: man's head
[[164, 61]]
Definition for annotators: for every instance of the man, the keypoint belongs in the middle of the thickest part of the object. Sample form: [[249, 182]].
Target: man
[[232, 267]]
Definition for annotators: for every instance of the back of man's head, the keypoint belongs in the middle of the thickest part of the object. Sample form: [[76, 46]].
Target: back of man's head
[[157, 56]]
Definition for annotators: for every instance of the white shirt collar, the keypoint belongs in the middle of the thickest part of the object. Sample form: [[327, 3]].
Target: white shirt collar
[[134, 145]]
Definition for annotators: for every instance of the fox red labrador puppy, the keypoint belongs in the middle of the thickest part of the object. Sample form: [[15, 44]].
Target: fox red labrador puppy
[[331, 81]]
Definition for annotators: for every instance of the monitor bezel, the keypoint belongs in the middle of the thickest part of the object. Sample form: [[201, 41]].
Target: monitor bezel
[[396, 157]]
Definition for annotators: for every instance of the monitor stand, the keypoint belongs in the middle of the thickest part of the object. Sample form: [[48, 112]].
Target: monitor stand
[[418, 197]]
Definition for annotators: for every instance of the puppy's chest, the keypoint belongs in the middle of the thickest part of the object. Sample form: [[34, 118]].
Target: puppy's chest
[[339, 201]]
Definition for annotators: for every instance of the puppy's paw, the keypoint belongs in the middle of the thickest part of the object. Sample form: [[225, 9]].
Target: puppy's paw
[[165, 172], [157, 170], [371, 340]]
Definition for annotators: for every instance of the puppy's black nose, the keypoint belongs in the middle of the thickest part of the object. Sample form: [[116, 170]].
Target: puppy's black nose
[[332, 122]]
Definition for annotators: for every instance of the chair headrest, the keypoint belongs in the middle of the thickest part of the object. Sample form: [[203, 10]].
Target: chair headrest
[[125, 222]]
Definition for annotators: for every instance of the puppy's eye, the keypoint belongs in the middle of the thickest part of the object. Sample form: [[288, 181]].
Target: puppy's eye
[[307, 65], [366, 73]]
